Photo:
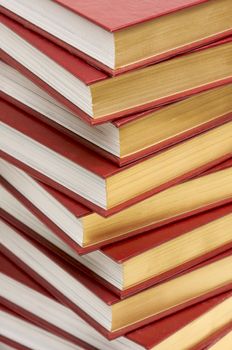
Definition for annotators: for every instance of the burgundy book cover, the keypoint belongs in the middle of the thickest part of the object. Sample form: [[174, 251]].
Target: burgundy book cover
[[118, 123], [100, 291], [124, 250], [86, 73], [147, 336], [79, 211], [82, 156], [118, 15]]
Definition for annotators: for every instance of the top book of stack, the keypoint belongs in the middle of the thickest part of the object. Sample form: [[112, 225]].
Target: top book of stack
[[94, 96], [117, 36]]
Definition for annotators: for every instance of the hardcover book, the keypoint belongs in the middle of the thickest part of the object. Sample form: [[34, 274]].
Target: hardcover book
[[116, 173], [96, 97], [84, 230], [131, 265], [126, 139], [95, 181], [63, 322], [100, 307], [119, 36]]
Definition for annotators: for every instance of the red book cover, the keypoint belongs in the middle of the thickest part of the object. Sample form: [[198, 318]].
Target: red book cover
[[113, 17], [120, 252], [179, 320], [147, 337], [77, 129], [118, 15], [88, 75], [78, 211], [121, 14], [99, 168], [91, 286]]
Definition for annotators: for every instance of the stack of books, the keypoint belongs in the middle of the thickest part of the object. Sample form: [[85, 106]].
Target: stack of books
[[116, 165]]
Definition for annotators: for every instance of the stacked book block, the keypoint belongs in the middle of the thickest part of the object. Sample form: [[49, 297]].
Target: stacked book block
[[116, 175]]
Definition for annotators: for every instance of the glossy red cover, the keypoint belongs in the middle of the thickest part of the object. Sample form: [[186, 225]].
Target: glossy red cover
[[147, 336], [118, 123], [82, 156], [88, 74], [157, 12], [100, 291]]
